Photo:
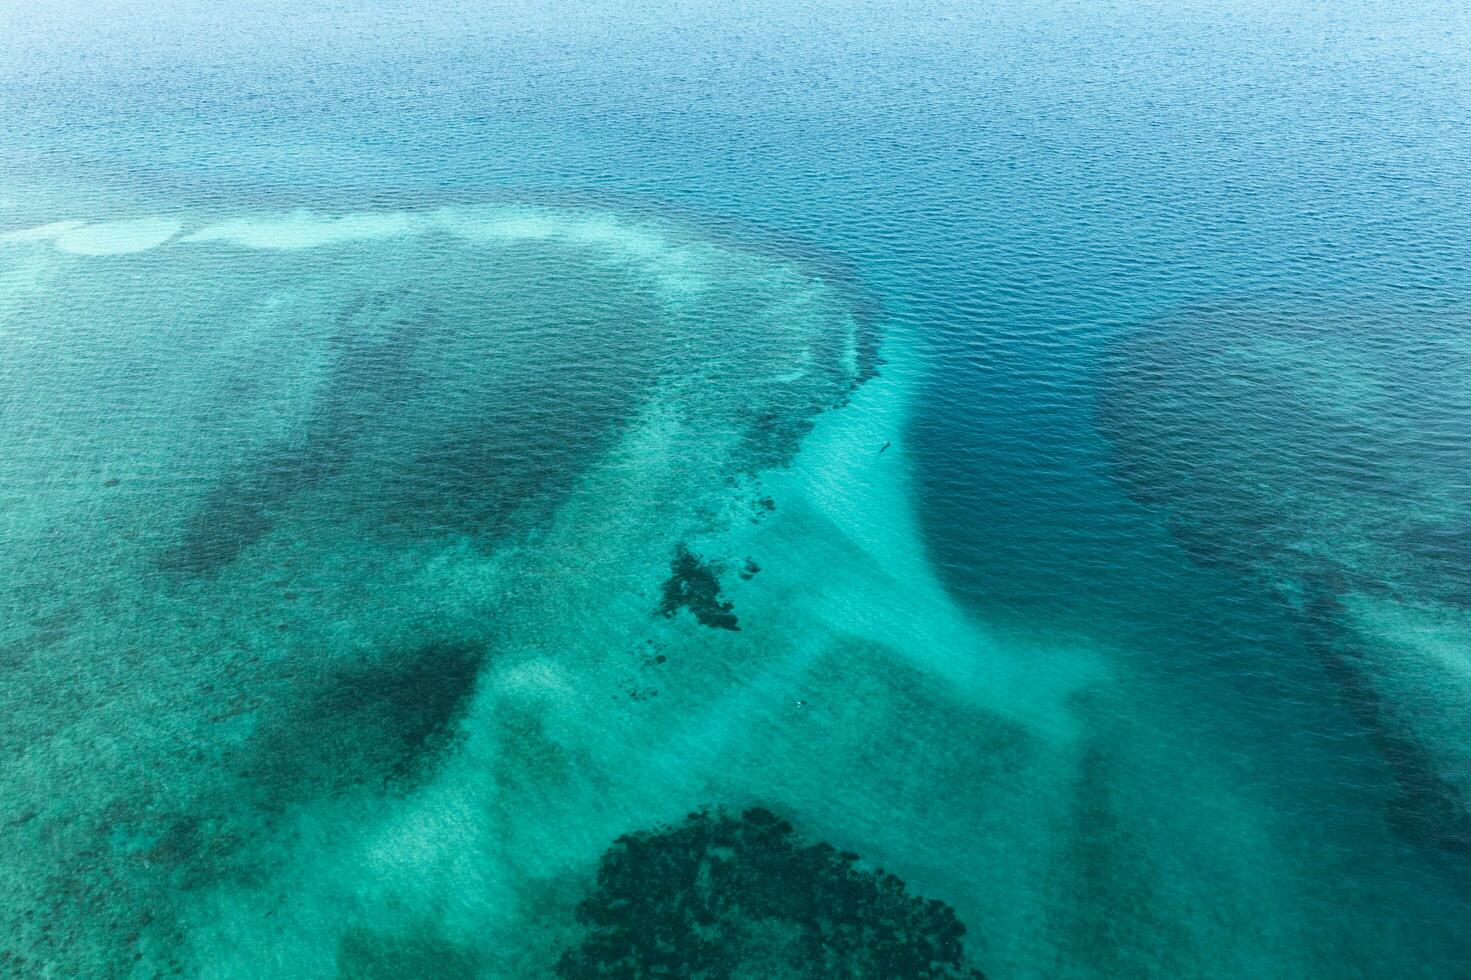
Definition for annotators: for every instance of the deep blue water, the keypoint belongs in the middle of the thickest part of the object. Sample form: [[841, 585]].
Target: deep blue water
[[1175, 297]]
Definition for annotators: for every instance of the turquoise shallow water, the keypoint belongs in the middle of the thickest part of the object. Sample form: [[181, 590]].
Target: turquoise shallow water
[[808, 490]]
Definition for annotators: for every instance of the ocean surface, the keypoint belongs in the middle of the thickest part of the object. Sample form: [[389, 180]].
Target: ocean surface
[[799, 489]]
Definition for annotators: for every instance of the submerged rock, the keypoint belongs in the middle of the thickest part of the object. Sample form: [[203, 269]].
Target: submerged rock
[[694, 584], [744, 896]]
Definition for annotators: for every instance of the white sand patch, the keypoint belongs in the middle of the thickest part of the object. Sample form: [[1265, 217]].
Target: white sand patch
[[862, 498], [118, 237], [41, 233], [487, 224], [1421, 635], [1423, 667], [612, 233], [303, 229], [533, 677], [680, 270], [628, 240]]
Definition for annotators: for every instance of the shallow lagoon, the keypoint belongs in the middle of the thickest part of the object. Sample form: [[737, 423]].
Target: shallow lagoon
[[407, 535]]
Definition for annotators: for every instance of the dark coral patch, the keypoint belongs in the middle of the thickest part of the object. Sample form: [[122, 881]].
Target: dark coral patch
[[695, 585], [725, 896], [372, 353], [372, 724]]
